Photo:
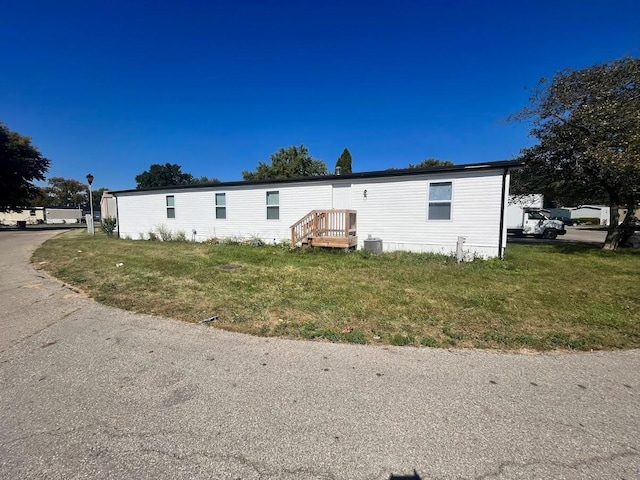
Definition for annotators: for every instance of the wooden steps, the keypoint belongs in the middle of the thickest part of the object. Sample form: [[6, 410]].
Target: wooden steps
[[325, 228]]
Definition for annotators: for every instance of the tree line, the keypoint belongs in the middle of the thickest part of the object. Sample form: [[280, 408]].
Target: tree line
[[586, 123]]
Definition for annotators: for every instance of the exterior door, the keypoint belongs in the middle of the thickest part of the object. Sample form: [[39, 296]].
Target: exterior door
[[341, 196]]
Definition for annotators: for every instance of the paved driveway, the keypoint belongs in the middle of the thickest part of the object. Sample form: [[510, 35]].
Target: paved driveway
[[572, 235], [88, 391]]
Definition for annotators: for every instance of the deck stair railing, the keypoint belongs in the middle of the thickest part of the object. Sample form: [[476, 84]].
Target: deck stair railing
[[325, 228]]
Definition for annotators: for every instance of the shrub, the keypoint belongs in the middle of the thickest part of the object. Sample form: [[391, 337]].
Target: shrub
[[108, 225], [232, 241], [180, 236], [153, 236], [255, 241], [164, 233], [285, 245]]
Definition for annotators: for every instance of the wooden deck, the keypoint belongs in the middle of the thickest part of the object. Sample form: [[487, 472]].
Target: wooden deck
[[325, 228]]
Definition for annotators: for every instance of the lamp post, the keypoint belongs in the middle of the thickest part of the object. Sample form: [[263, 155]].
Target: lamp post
[[90, 180]]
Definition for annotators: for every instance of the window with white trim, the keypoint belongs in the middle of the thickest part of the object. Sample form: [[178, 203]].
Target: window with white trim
[[221, 206], [171, 206], [440, 194], [273, 205]]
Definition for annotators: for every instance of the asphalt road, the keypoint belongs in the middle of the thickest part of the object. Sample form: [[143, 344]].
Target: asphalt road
[[572, 235], [579, 234], [88, 391]]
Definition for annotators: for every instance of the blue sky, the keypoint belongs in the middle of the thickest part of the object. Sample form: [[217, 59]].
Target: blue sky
[[217, 86]]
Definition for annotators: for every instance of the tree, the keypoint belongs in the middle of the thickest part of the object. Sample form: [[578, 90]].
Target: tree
[[20, 164], [344, 162], [40, 198], [163, 176], [431, 163], [203, 180], [587, 123], [168, 175], [288, 162], [65, 192], [97, 195]]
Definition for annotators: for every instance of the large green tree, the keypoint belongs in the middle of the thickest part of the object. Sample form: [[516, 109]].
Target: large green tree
[[20, 165], [97, 195], [432, 163], [167, 175], [587, 123], [65, 192], [344, 162], [288, 162], [202, 180]]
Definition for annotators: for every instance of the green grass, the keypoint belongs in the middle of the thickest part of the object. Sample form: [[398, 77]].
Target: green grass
[[540, 297]]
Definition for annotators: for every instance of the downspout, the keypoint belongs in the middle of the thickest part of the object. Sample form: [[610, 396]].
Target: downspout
[[504, 194], [117, 216]]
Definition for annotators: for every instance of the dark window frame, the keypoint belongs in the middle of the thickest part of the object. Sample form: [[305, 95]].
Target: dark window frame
[[273, 210], [170, 202], [221, 208], [435, 211]]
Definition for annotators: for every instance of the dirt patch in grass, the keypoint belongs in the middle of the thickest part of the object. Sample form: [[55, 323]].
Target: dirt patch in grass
[[541, 297]]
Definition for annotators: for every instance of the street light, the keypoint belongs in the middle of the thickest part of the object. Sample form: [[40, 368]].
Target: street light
[[90, 180]]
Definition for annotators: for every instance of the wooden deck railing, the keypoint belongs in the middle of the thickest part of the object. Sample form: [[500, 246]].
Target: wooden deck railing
[[326, 226]]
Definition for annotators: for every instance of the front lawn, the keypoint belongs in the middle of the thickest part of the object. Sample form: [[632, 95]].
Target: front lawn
[[540, 297]]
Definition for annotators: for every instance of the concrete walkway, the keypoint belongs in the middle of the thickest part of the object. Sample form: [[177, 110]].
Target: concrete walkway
[[88, 391]]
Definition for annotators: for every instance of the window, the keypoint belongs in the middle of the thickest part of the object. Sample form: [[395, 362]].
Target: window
[[273, 205], [221, 205], [32, 213], [440, 201], [536, 216], [171, 204]]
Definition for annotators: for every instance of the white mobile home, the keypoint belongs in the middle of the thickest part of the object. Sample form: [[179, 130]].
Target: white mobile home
[[600, 212], [31, 216], [419, 210], [108, 206], [63, 215], [49, 215]]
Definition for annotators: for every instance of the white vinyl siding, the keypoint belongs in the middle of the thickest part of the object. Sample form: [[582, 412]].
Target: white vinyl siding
[[221, 206], [396, 210], [141, 212]]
